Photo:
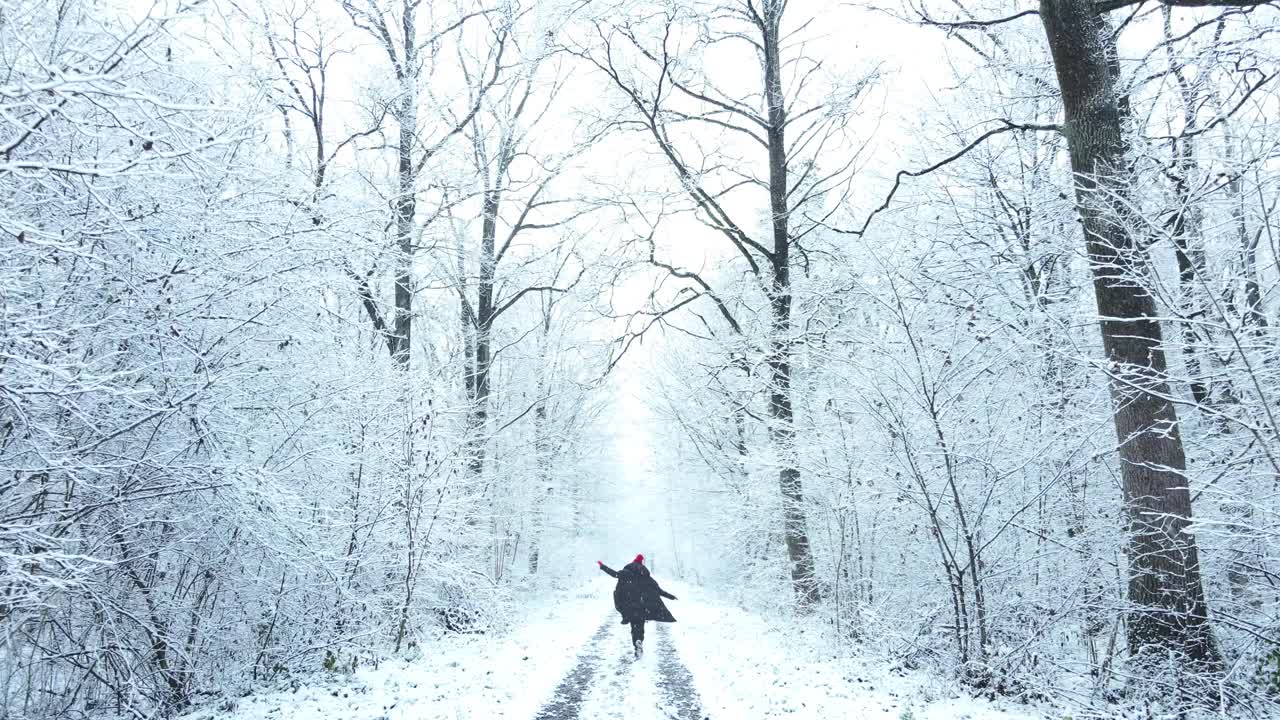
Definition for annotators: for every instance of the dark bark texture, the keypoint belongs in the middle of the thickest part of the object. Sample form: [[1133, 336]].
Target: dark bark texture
[[782, 427], [1168, 614]]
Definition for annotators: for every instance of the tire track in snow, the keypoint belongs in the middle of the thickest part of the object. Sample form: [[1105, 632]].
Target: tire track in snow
[[675, 682], [625, 687], [567, 699]]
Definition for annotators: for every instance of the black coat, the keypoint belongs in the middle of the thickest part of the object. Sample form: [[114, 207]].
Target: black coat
[[638, 596]]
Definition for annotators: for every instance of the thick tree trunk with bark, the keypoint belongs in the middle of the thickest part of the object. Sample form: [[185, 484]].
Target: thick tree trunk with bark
[[482, 361], [405, 204], [405, 209], [1168, 614], [782, 427]]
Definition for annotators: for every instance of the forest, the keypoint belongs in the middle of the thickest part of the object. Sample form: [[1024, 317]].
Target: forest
[[334, 330]]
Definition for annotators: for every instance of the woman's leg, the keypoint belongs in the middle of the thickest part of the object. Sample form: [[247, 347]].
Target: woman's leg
[[637, 636]]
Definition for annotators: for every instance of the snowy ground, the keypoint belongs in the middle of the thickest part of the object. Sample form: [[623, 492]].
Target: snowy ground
[[571, 660], [465, 678], [747, 667]]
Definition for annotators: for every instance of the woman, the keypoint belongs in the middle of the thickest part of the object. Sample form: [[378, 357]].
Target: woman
[[638, 598]]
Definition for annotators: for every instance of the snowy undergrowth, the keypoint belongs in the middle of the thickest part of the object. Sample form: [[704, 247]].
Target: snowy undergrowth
[[751, 665], [461, 677], [748, 666], [744, 666]]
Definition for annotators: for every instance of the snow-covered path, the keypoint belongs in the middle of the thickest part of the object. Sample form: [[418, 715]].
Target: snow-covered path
[[609, 683], [570, 659]]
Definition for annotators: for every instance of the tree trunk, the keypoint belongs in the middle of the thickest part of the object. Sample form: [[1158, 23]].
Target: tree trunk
[[402, 323], [782, 427], [1189, 249], [1255, 315], [1168, 613], [482, 360], [1188, 228], [406, 197], [541, 493], [541, 445]]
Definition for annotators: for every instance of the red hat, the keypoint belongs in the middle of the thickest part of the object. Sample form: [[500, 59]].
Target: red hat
[[640, 559]]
